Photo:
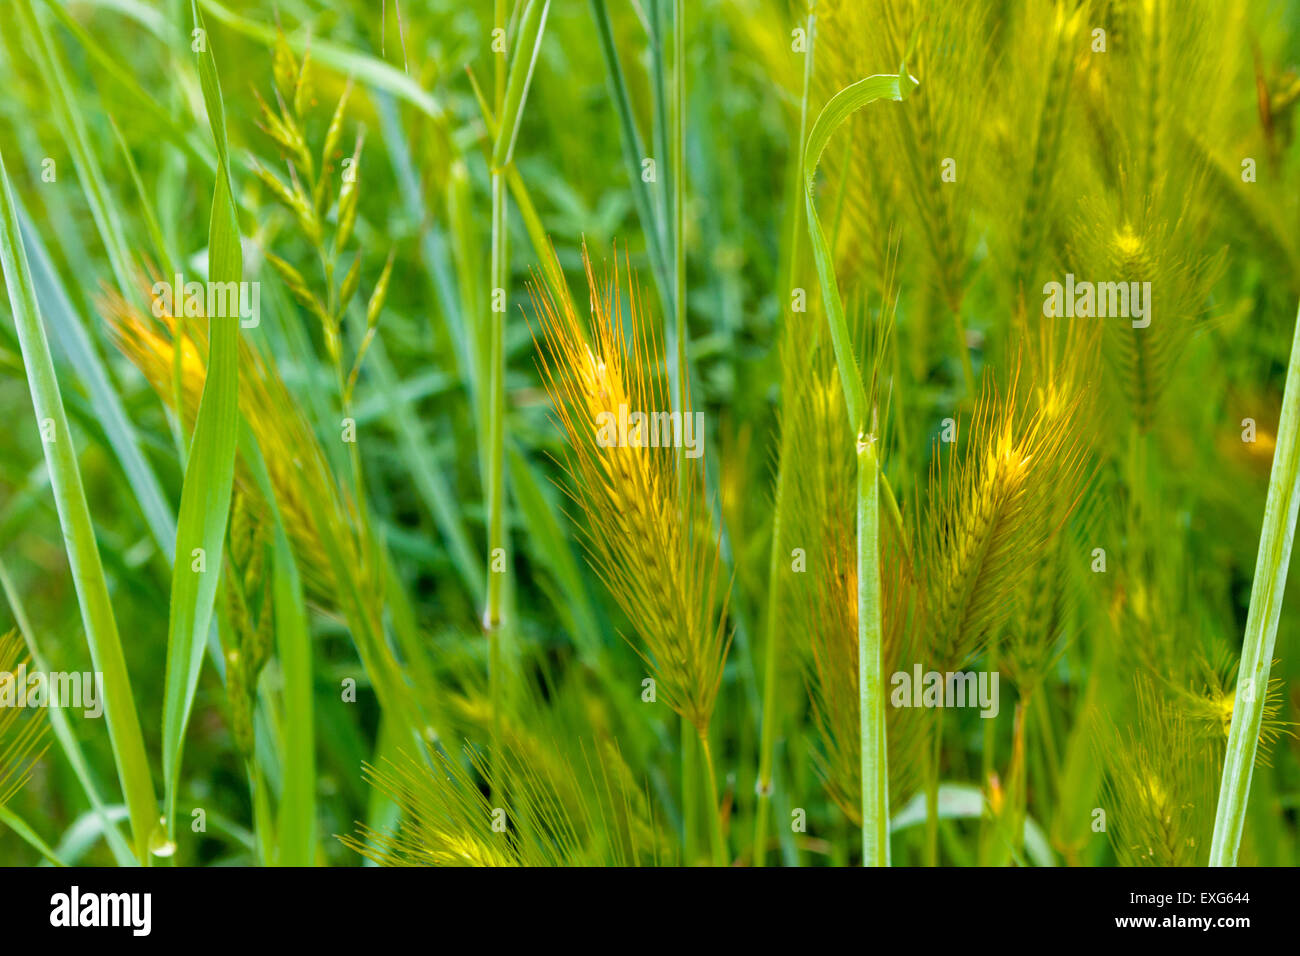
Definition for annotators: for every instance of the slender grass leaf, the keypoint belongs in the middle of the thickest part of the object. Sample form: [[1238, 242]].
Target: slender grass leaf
[[28, 835], [875, 769], [72, 126], [1261, 622], [297, 819], [62, 728], [841, 106], [522, 64], [69, 332], [210, 470], [78, 532]]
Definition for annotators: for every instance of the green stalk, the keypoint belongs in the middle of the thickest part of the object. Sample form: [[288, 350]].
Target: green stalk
[[106, 654], [871, 678], [875, 769], [1261, 621], [510, 112], [932, 790], [633, 152], [496, 411], [659, 102], [297, 812], [496, 477], [690, 794], [210, 469], [767, 744], [963, 349], [72, 126], [678, 147], [717, 844], [1050, 753], [510, 106], [499, 66], [988, 748]]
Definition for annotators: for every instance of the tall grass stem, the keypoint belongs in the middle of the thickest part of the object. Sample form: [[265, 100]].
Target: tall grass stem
[[1261, 621]]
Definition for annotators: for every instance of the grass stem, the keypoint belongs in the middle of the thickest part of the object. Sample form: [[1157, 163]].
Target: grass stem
[[932, 789], [690, 794], [1261, 621], [767, 744], [871, 678], [717, 843]]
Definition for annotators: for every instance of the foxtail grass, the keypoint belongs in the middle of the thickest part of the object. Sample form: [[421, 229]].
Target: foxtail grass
[[648, 537]]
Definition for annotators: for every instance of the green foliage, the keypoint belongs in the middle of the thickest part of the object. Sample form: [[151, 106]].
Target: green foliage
[[432, 593]]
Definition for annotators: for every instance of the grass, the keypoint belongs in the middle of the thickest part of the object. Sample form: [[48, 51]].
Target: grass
[[209, 468], [79, 534], [448, 617], [1261, 625]]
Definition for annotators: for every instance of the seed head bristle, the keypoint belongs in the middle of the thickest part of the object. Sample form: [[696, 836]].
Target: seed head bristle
[[648, 538]]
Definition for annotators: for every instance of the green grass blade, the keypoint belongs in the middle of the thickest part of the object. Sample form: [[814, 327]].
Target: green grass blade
[[28, 835], [210, 470], [110, 66], [522, 64], [429, 481], [366, 69], [875, 770], [84, 832], [871, 677], [554, 553], [78, 532], [297, 818], [71, 336], [1261, 622], [841, 106], [62, 728], [73, 129], [633, 149]]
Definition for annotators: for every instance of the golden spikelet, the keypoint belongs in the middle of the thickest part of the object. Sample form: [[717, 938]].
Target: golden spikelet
[[580, 815], [987, 523], [649, 539], [1159, 790], [1208, 705], [1065, 365], [294, 459], [447, 820], [22, 731]]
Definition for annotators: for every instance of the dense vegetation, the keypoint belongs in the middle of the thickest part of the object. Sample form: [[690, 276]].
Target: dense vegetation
[[368, 574]]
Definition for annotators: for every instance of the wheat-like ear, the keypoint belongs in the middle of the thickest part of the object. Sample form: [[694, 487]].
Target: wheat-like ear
[[1159, 788], [574, 816], [1134, 240], [829, 613], [22, 732], [648, 537], [446, 818], [1065, 367], [554, 733], [987, 521], [1208, 703], [1037, 144], [294, 459]]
